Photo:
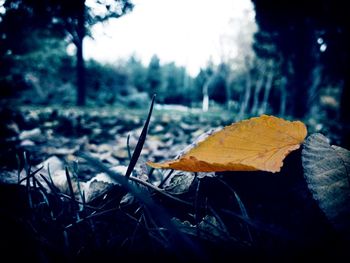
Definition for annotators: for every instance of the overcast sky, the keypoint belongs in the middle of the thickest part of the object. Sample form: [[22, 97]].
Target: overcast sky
[[185, 31]]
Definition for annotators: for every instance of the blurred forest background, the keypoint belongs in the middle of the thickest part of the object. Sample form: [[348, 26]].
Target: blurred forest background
[[296, 65], [67, 118]]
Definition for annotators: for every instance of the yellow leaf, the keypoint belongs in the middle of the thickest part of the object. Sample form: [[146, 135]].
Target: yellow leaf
[[260, 143]]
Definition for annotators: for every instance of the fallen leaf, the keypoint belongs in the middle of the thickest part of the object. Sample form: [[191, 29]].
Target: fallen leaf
[[327, 173], [260, 143], [34, 134]]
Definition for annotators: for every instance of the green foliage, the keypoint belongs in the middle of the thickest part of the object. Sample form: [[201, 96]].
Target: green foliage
[[39, 75], [60, 16], [61, 19]]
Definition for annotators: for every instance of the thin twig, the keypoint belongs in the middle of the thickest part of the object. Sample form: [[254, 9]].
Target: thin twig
[[159, 190], [19, 168], [92, 215], [30, 175], [71, 191], [138, 224]]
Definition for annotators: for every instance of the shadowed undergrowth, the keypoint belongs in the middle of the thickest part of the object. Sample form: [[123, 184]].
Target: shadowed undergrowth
[[194, 217]]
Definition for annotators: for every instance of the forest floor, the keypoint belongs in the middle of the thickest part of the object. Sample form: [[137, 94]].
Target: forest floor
[[47, 131], [67, 208]]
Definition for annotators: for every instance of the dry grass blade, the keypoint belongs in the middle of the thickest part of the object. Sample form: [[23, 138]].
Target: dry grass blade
[[70, 186], [42, 191], [30, 175], [140, 142], [160, 191], [128, 146], [179, 241], [241, 207], [19, 169], [71, 191], [51, 185], [238, 199]]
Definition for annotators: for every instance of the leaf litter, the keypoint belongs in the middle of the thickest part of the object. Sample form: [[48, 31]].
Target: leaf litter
[[188, 213]]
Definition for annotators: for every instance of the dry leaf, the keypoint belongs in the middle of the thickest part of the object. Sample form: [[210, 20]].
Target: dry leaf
[[327, 173], [260, 143]]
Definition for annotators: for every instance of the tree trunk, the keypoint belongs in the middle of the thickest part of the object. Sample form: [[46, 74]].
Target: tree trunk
[[228, 93], [205, 105], [80, 67], [259, 85], [268, 86], [283, 99], [313, 92], [246, 98]]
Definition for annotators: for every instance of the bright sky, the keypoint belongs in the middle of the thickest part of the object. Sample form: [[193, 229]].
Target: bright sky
[[185, 31]]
